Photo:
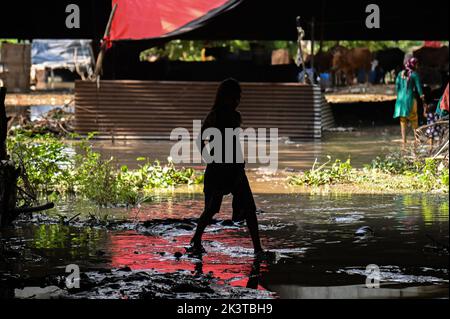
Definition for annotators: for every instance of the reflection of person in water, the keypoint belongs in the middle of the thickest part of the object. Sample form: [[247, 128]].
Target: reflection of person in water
[[253, 277], [224, 178]]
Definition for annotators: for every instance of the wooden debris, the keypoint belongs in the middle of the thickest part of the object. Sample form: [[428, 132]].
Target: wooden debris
[[57, 122]]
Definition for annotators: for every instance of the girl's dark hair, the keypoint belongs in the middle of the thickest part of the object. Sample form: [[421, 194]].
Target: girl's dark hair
[[229, 88]]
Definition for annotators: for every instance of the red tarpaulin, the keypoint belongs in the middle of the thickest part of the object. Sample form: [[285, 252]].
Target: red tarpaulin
[[145, 19], [433, 44]]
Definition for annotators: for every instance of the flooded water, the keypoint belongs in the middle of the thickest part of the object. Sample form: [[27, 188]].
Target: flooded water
[[318, 247], [362, 146]]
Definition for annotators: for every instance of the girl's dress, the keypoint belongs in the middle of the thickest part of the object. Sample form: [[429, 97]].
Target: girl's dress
[[405, 94], [225, 178]]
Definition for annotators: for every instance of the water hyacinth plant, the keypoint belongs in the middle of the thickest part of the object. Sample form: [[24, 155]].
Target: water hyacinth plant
[[338, 172], [389, 174], [50, 167]]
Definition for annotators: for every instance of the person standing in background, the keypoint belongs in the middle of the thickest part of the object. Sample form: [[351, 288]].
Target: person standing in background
[[406, 84]]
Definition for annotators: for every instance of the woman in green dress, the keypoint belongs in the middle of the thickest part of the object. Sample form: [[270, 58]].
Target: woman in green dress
[[406, 84]]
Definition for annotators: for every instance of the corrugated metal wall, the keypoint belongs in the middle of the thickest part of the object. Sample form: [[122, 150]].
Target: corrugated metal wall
[[327, 115], [150, 109]]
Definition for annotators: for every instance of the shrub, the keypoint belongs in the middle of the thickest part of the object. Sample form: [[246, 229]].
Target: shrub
[[338, 172], [49, 167]]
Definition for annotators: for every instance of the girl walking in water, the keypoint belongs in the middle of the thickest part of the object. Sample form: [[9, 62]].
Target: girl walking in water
[[224, 178]]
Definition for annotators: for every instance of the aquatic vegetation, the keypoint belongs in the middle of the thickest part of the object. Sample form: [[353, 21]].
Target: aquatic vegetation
[[56, 236], [394, 163], [51, 169], [44, 161], [338, 172], [444, 178], [95, 178], [423, 174], [391, 173]]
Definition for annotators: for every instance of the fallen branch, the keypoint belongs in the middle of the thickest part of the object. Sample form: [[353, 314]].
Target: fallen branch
[[73, 218], [28, 210]]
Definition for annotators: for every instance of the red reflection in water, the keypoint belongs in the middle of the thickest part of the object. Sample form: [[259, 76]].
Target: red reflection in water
[[174, 208], [141, 252]]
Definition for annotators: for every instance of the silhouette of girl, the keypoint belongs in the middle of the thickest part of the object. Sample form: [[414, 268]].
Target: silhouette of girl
[[225, 178]]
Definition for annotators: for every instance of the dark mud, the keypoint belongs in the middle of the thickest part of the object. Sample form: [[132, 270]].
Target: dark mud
[[125, 283]]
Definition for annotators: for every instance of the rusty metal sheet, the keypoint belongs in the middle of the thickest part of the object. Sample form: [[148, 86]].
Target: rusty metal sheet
[[152, 109]]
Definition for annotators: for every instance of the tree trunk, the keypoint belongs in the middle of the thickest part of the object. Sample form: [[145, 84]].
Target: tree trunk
[[3, 125], [9, 175], [8, 171], [8, 192]]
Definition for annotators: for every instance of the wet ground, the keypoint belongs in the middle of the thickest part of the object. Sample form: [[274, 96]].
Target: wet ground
[[318, 247]]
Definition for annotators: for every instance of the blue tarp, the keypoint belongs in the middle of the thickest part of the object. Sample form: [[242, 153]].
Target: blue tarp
[[61, 53]]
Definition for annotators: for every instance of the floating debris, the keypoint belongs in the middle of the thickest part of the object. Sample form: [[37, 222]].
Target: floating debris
[[364, 231]]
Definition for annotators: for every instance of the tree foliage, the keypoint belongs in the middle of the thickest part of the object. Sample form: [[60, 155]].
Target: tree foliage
[[186, 50]]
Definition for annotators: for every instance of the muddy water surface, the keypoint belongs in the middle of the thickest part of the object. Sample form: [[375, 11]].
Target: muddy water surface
[[362, 146], [318, 247]]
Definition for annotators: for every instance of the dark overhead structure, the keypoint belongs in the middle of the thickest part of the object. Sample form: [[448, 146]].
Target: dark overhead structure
[[334, 20], [244, 19], [46, 19]]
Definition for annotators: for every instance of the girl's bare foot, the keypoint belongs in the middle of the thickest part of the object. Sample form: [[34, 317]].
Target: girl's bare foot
[[261, 255], [195, 249]]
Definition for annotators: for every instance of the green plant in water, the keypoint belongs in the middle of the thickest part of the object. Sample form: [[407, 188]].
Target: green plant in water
[[46, 161], [394, 163], [421, 174], [338, 172], [96, 179], [51, 169], [394, 172], [428, 174], [433, 175], [445, 178]]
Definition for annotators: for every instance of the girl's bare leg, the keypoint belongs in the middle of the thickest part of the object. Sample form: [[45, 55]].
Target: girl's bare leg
[[252, 224], [212, 206], [203, 222], [403, 131]]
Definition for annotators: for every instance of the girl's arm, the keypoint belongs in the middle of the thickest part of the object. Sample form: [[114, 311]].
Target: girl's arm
[[207, 123]]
